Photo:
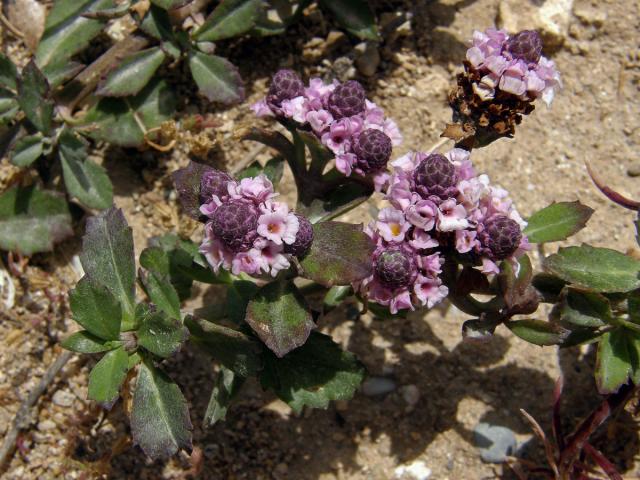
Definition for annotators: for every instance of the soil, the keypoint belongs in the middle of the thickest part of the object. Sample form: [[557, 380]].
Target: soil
[[443, 387]]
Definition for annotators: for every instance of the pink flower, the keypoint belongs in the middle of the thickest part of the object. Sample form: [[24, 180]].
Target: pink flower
[[430, 291], [466, 240], [318, 93], [269, 257], [245, 262], [431, 264], [451, 216], [345, 163], [209, 208], [215, 252], [400, 301], [392, 225], [381, 181], [393, 132], [422, 214], [421, 240], [338, 138], [261, 109], [319, 120], [296, 108], [257, 189], [278, 224]]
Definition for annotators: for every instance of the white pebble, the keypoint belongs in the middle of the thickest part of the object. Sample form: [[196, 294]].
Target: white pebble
[[417, 470]]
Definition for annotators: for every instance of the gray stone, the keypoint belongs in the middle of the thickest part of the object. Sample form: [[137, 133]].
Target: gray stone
[[367, 58], [62, 398], [374, 386], [494, 442]]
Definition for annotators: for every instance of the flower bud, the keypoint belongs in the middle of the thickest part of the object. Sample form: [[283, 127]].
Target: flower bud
[[214, 182], [526, 45], [395, 269], [373, 149], [235, 223], [347, 100], [436, 176], [285, 85], [304, 238], [501, 236]]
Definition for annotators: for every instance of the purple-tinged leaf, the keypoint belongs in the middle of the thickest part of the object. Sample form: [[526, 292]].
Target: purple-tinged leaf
[[133, 74], [280, 317], [107, 376], [548, 446], [600, 269], [160, 422], [33, 97], [33, 220], [108, 258], [613, 361], [557, 222], [161, 335], [94, 307], [188, 183], [538, 332], [217, 78], [584, 308], [611, 194], [340, 254]]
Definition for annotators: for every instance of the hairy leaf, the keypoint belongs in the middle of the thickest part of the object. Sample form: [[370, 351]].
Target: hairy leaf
[[633, 306], [280, 317], [227, 386], [613, 361], [217, 78], [160, 421], [59, 73], [585, 308], [538, 332], [8, 106], [549, 286], [67, 32], [557, 222], [107, 376], [108, 258], [32, 220], [230, 18], [133, 74], [233, 349], [161, 335], [601, 269], [96, 309], [8, 73], [340, 254], [85, 342], [33, 97], [84, 179], [187, 182], [27, 150], [336, 202], [355, 16], [161, 293], [239, 293], [313, 375], [114, 119], [157, 24]]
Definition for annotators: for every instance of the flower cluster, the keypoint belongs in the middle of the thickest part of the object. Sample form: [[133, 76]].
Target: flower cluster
[[512, 64], [352, 127], [247, 231], [439, 207]]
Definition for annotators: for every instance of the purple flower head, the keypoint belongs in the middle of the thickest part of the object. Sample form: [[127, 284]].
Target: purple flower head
[[285, 85], [526, 45], [373, 150], [395, 268], [501, 237], [435, 176], [235, 224], [214, 182], [347, 100], [304, 238]]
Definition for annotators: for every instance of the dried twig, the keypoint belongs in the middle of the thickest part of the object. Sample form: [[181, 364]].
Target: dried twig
[[17, 33], [21, 420]]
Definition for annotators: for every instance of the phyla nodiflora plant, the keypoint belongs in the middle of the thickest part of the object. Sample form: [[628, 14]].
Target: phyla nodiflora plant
[[446, 232]]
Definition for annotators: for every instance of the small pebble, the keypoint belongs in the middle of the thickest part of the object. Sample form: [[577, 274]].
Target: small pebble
[[46, 425], [411, 394], [62, 398], [374, 386], [634, 170], [494, 442], [417, 470]]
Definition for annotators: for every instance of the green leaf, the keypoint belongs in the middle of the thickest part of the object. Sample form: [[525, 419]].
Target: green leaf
[[33, 97], [108, 258], [8, 106], [59, 73], [32, 220], [169, 4], [336, 295], [274, 169], [633, 306], [107, 376], [161, 293], [549, 286], [161, 335], [27, 150], [355, 16], [538, 332], [600, 269], [336, 202], [239, 293], [313, 375], [320, 155], [8, 73], [160, 421], [280, 317], [233, 349], [217, 78], [585, 308], [85, 342], [340, 254], [96, 309], [613, 361], [227, 386], [67, 32], [557, 222], [231, 18], [156, 23], [84, 179], [133, 74], [113, 119]]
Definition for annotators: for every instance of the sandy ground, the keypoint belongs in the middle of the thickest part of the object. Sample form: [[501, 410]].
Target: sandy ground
[[443, 387]]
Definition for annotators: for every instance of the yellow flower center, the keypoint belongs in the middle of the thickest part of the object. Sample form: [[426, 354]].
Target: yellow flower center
[[395, 229]]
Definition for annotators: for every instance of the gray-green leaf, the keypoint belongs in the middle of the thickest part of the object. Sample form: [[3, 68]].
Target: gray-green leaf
[[584, 308], [217, 78], [33, 97], [107, 376], [85, 342], [227, 386], [600, 269], [230, 18], [32, 220], [161, 293], [355, 16], [133, 74], [27, 150], [538, 332], [8, 73], [96, 309], [161, 335], [613, 361], [557, 222], [160, 421]]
